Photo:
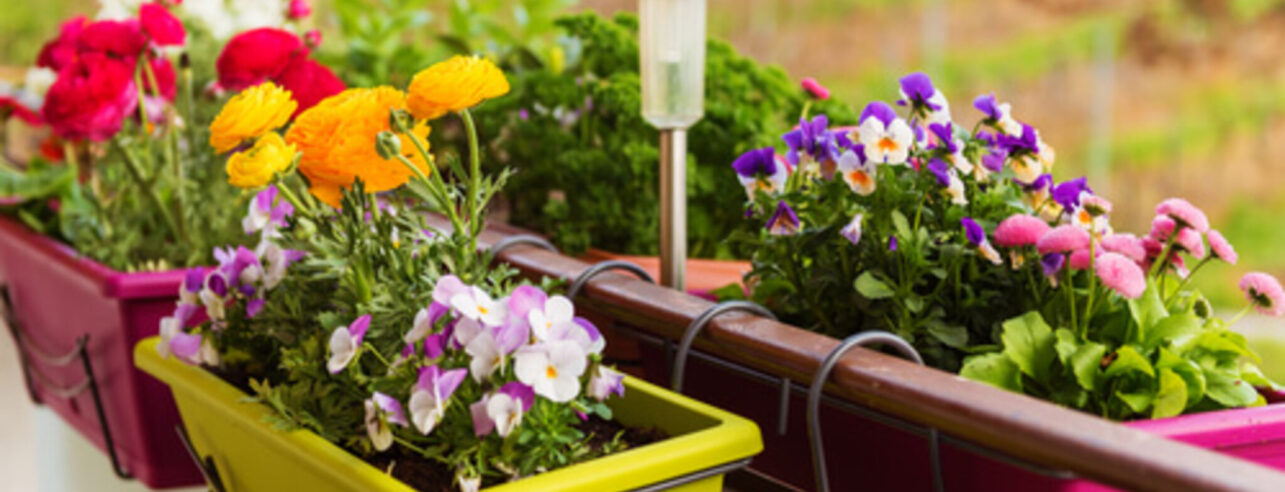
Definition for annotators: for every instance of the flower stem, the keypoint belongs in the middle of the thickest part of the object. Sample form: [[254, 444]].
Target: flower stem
[[1240, 315], [434, 180], [148, 190], [1070, 291], [289, 195], [475, 177], [1187, 280], [1088, 306]]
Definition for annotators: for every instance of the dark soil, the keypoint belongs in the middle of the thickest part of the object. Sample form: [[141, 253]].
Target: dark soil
[[431, 476]]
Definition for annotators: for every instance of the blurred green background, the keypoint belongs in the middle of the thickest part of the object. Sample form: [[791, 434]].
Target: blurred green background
[[1150, 99]]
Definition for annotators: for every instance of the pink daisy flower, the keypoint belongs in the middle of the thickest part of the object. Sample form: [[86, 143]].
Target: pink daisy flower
[[1264, 291], [1191, 242], [816, 89], [1020, 230], [1121, 274], [1095, 205], [1185, 213], [1080, 260], [1126, 244], [1161, 228], [1062, 239], [1221, 247]]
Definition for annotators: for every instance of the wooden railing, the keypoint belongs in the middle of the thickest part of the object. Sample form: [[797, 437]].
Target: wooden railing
[[1013, 424]]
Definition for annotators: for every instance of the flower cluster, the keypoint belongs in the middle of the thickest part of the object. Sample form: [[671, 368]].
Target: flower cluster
[[1083, 315], [241, 280], [509, 350], [276, 55]]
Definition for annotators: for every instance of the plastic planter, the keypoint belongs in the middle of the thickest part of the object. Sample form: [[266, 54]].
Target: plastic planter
[[248, 454], [58, 299]]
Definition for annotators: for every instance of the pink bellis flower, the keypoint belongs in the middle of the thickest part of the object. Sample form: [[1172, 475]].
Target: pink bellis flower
[[1264, 293], [1063, 239], [1020, 230], [815, 89], [1121, 274], [1221, 248], [1184, 213]]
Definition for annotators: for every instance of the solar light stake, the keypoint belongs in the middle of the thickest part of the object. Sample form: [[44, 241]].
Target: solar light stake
[[673, 98]]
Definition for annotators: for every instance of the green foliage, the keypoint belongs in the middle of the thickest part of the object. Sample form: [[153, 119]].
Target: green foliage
[[1170, 360], [587, 163]]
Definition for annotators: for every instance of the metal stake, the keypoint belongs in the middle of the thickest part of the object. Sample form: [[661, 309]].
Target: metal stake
[[673, 208]]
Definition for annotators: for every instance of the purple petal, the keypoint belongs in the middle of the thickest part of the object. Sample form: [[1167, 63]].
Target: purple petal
[[892, 243], [217, 283], [755, 162], [246, 290], [435, 344], [408, 351], [1067, 193], [263, 200], [987, 105], [994, 161], [482, 423], [447, 287], [391, 406], [919, 88], [186, 346], [940, 169], [520, 392], [358, 328], [193, 278], [511, 335], [589, 328], [783, 220], [880, 110], [449, 381], [1052, 263], [427, 377], [523, 300], [253, 307], [973, 231], [184, 312]]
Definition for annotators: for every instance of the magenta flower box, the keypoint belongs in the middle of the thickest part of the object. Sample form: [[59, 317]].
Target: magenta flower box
[[866, 454], [57, 298]]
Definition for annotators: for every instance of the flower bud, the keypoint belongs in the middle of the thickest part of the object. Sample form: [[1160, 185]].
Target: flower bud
[[388, 145]]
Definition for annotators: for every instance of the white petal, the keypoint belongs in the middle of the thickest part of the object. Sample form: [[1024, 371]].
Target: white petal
[[848, 161], [870, 131], [341, 349], [466, 305], [565, 389], [423, 411], [568, 358], [485, 355], [901, 133], [559, 308], [540, 324], [419, 328], [529, 365]]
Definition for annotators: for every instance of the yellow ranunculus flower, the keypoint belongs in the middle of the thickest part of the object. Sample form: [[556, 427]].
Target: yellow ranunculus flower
[[250, 114], [454, 85], [338, 138], [254, 168]]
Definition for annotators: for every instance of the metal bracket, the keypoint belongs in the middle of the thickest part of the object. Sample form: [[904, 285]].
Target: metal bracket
[[679, 367], [28, 351], [521, 239], [205, 465], [601, 267], [818, 385]]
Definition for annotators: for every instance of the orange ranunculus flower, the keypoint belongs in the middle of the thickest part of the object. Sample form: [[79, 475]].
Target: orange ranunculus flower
[[454, 85], [337, 139]]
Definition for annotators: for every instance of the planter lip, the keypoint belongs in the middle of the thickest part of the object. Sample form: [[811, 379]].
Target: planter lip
[[114, 283], [730, 438]]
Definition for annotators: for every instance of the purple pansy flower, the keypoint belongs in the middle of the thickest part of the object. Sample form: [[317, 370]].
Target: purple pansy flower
[[973, 231], [945, 137], [1027, 141], [917, 89], [604, 383], [1053, 263], [987, 105], [784, 221], [265, 213], [344, 343], [940, 170], [758, 169], [878, 110], [812, 146], [884, 137], [892, 243], [993, 161], [1067, 193], [381, 410]]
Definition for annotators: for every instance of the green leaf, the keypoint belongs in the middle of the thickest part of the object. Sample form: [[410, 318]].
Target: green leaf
[[1170, 328], [1086, 364], [729, 292], [1127, 359], [1147, 310], [872, 288], [994, 369], [952, 335], [901, 224], [1029, 342], [1229, 390], [1253, 375], [1171, 398], [1138, 401], [1188, 370]]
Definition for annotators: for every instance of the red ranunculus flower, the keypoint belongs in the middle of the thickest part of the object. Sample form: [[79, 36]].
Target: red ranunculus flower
[[163, 70], [160, 25], [61, 51], [11, 106], [309, 82], [255, 56], [91, 98], [122, 39]]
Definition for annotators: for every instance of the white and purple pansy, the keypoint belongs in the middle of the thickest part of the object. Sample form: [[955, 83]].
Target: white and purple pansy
[[432, 392], [266, 213], [761, 170], [604, 383], [852, 231], [951, 147], [858, 172], [277, 260], [918, 92], [997, 114], [477, 305], [885, 137], [977, 236], [345, 342], [425, 319], [554, 311], [813, 150], [490, 347], [552, 369], [784, 221], [382, 410]]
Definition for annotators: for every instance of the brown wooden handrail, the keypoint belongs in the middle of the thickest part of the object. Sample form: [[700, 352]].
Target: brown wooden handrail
[[1014, 424]]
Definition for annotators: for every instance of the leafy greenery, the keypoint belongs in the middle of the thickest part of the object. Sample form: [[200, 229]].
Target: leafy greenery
[[587, 163]]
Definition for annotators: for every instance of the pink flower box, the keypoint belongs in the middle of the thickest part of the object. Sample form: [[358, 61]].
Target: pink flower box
[[58, 297]]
